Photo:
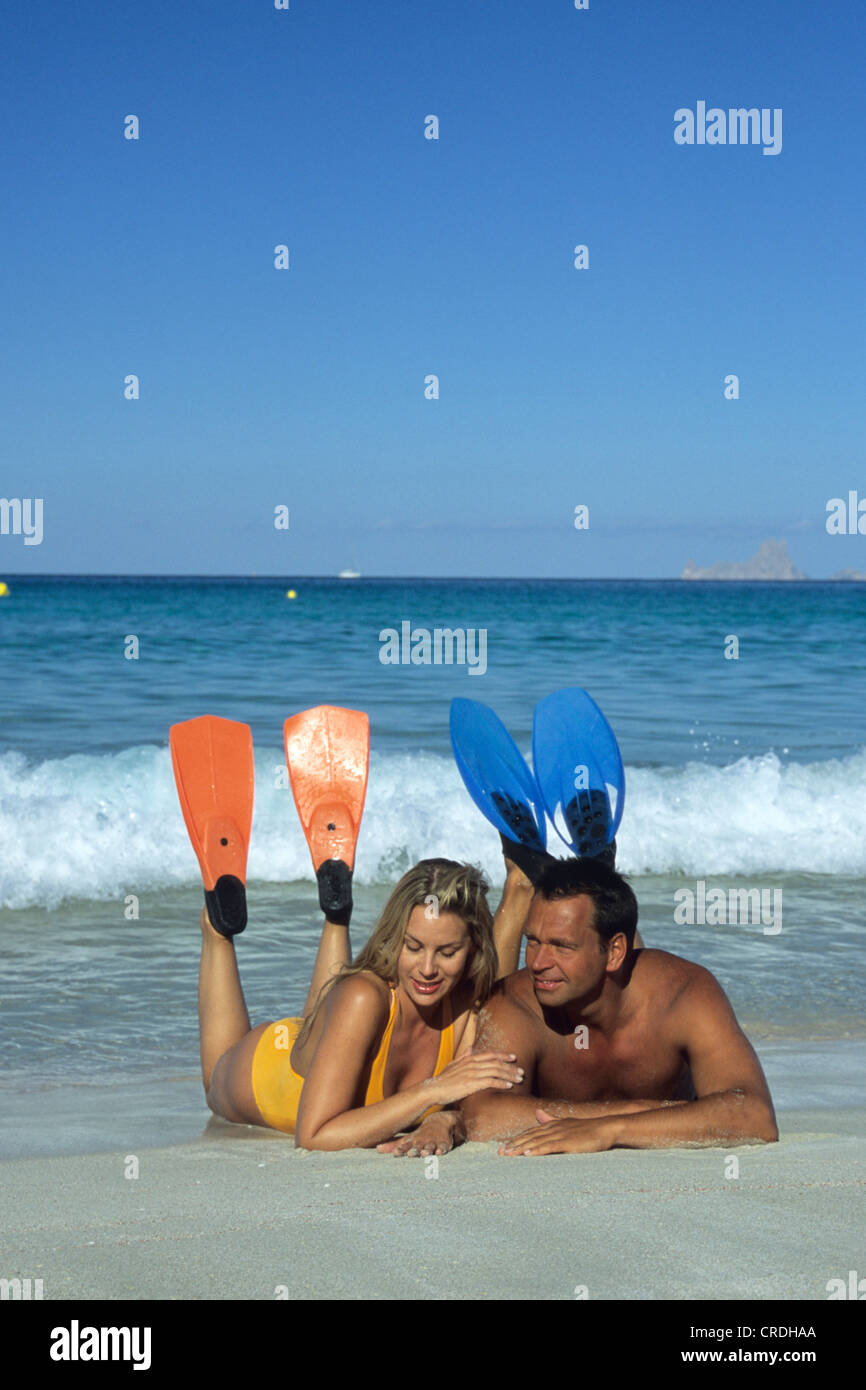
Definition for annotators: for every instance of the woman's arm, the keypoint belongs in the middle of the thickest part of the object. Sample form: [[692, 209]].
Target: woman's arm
[[444, 1130], [356, 1014]]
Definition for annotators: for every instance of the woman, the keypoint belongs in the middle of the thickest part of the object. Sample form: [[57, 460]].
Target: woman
[[385, 1042]]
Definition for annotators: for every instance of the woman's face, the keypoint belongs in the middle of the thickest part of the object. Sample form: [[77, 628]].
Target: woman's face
[[435, 953]]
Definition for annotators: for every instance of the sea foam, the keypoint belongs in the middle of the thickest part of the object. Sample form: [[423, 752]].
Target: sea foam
[[101, 827]]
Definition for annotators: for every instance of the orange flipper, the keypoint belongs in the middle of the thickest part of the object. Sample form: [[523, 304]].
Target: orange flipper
[[327, 751], [213, 769]]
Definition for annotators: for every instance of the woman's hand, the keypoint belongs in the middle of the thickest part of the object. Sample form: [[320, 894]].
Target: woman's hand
[[435, 1135], [481, 1071]]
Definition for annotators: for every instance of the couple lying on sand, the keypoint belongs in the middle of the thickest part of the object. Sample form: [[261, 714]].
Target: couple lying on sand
[[597, 1043]]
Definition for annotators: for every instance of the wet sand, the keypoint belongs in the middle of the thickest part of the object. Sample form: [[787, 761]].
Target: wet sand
[[242, 1214]]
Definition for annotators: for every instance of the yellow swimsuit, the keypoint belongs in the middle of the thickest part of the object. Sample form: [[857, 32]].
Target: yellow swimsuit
[[277, 1086]]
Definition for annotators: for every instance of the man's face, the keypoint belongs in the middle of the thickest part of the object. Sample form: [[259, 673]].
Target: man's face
[[564, 952]]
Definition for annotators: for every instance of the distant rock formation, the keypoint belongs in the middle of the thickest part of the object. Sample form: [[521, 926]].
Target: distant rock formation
[[855, 575], [771, 561]]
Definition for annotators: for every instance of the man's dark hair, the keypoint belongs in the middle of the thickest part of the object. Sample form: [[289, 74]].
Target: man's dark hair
[[614, 903]]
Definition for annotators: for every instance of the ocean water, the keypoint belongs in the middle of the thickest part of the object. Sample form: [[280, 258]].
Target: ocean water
[[741, 774]]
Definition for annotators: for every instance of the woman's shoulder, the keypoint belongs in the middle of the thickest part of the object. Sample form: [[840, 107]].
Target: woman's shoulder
[[354, 1013], [464, 1009], [463, 1000], [362, 993]]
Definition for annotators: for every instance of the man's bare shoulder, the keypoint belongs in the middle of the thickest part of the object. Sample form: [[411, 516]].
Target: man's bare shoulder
[[515, 992], [669, 982], [696, 1016], [512, 1005], [657, 966]]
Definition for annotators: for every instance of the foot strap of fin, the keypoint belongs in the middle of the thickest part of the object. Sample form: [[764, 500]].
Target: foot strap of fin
[[607, 855], [335, 890], [227, 905], [532, 862]]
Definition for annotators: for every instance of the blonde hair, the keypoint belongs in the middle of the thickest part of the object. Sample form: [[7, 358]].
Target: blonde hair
[[457, 888]]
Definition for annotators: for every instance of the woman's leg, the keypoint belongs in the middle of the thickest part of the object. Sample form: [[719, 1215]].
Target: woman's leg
[[510, 919], [334, 950], [222, 1012], [227, 1042]]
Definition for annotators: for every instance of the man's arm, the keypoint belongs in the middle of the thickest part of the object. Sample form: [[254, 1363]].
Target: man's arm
[[503, 1117], [733, 1104], [484, 1114], [504, 1025]]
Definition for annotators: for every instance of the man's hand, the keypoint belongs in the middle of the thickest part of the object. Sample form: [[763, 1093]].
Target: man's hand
[[554, 1136]]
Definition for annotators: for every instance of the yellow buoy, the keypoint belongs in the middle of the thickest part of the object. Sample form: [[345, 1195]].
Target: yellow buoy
[[290, 593], [4, 588]]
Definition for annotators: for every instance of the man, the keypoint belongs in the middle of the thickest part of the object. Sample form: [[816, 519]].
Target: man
[[619, 1047]]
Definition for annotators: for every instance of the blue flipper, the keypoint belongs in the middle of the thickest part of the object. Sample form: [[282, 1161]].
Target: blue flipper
[[579, 770], [496, 775]]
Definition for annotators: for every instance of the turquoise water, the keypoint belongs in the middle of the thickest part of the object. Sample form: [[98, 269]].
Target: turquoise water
[[651, 653], [748, 772]]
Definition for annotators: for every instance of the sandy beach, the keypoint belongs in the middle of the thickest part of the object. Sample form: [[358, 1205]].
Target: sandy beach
[[240, 1214]]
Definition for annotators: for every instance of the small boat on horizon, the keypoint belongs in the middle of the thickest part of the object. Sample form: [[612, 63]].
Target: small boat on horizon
[[349, 574]]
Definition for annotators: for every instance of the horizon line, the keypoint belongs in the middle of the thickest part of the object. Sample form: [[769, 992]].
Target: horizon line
[[444, 578]]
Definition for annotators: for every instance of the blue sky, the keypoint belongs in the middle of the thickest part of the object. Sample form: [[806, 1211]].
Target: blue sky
[[411, 256]]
